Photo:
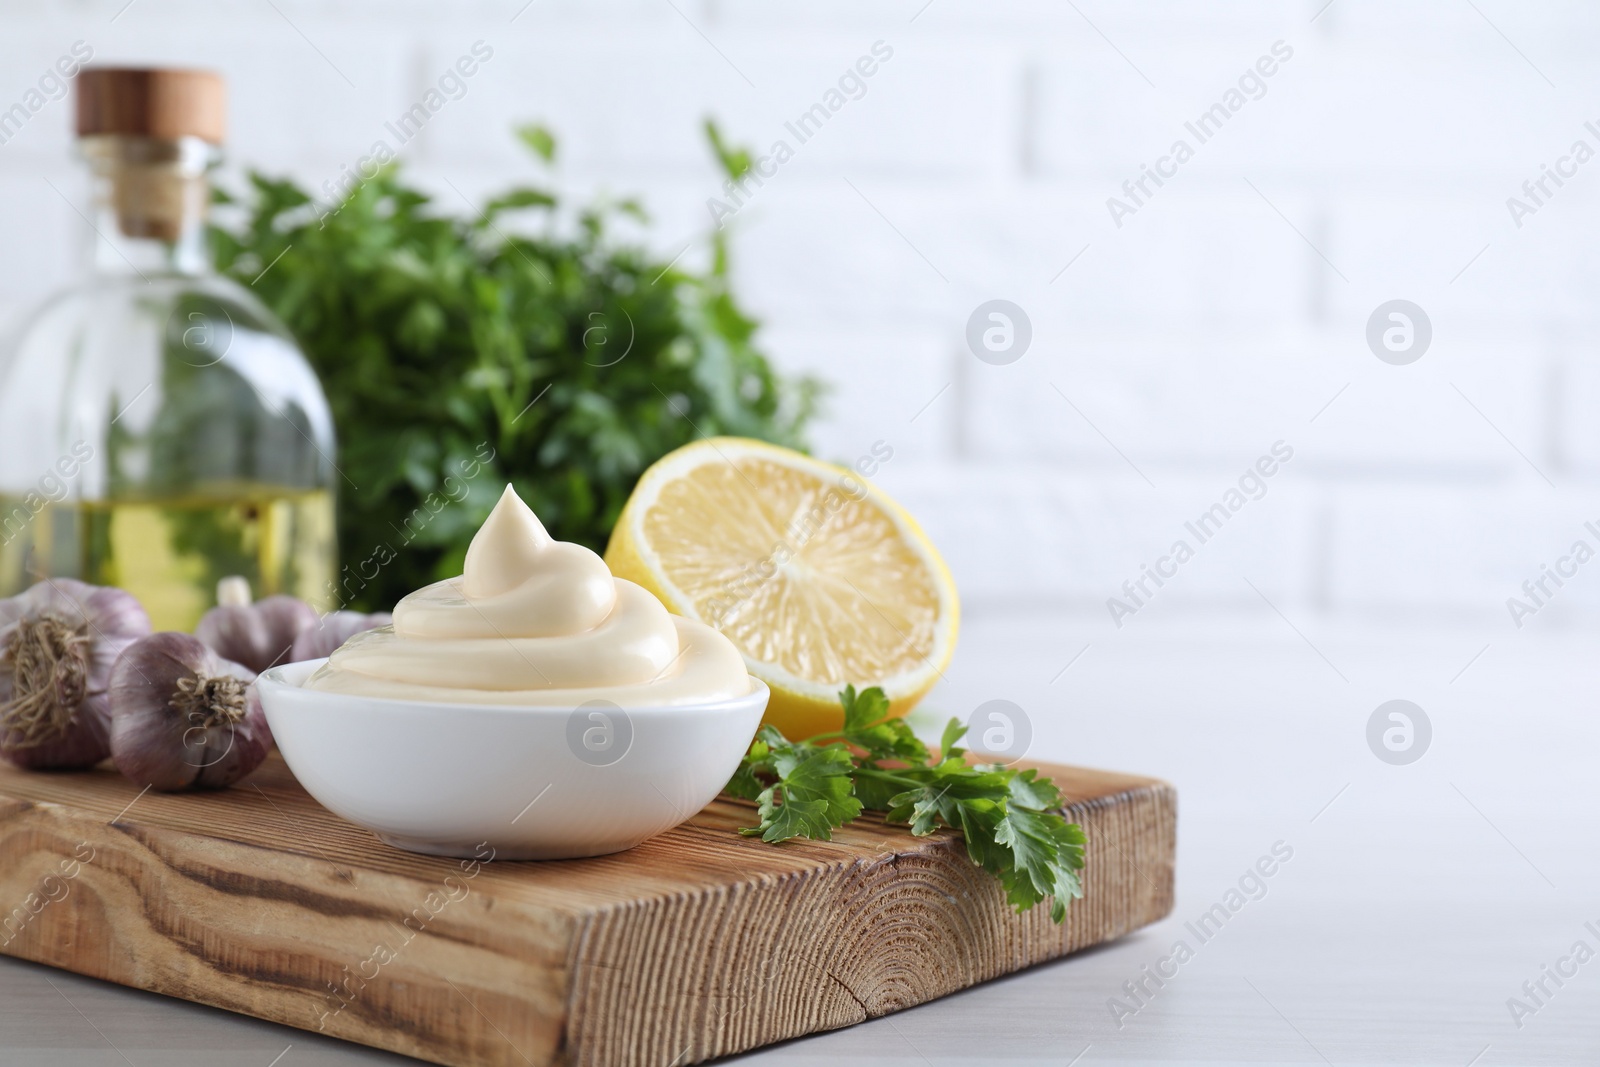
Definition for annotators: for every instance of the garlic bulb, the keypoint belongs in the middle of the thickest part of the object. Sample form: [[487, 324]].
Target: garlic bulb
[[183, 717], [58, 641], [258, 635], [334, 629]]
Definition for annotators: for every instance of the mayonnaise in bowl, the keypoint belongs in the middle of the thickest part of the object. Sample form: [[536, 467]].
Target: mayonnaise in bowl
[[533, 621], [469, 722]]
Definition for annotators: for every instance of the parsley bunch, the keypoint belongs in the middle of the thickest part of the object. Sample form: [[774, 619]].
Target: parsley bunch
[[525, 340], [1008, 817]]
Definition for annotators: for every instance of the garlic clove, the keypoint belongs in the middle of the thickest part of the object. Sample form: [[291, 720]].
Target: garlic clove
[[58, 642], [183, 717], [333, 630], [258, 635], [234, 591], [237, 634]]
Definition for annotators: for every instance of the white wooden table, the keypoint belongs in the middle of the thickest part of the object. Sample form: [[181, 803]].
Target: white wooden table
[[1418, 899]]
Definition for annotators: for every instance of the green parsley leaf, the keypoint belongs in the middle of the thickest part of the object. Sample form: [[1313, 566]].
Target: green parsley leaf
[[744, 784], [735, 161], [812, 792], [954, 730], [867, 725], [862, 710], [1028, 790], [540, 139]]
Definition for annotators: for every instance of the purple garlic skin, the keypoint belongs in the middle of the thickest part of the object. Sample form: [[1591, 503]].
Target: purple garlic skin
[[183, 717], [58, 642], [258, 635], [333, 630]]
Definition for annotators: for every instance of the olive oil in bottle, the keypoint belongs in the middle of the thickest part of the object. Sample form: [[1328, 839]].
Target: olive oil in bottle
[[159, 429], [170, 553]]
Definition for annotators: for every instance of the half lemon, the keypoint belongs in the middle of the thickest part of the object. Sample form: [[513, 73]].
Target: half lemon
[[816, 576]]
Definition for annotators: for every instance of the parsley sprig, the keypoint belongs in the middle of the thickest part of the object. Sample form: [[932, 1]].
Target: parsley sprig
[[1008, 817]]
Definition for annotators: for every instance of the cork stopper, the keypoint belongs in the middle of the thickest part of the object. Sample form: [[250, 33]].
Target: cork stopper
[[152, 102], [152, 133]]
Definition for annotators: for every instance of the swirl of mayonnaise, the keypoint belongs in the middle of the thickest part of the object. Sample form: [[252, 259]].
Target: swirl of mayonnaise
[[535, 621]]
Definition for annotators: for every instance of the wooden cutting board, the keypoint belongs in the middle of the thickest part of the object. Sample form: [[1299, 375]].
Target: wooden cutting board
[[697, 944]]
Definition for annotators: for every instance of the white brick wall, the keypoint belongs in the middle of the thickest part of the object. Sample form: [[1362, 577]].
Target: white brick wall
[[976, 165]]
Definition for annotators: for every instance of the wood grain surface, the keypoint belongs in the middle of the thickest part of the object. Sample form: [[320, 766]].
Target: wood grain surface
[[696, 944]]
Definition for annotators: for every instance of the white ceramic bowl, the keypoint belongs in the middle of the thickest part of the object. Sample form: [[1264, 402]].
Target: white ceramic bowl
[[530, 783]]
